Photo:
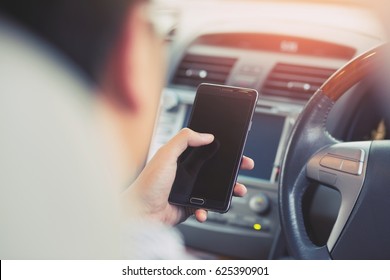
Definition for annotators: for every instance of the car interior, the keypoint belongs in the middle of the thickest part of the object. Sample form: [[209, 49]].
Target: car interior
[[299, 203]]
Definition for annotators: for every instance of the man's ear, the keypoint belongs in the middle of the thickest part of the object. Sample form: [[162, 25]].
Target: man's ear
[[133, 82], [127, 70]]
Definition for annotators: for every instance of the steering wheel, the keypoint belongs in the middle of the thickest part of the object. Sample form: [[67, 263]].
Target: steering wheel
[[360, 171]]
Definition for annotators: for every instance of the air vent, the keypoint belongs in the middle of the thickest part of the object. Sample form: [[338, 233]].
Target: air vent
[[196, 69], [295, 81]]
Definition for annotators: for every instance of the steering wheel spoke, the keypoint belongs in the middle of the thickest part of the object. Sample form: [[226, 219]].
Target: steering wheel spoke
[[343, 167]]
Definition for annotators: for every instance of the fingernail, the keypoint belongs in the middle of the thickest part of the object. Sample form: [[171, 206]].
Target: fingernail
[[204, 217], [207, 136]]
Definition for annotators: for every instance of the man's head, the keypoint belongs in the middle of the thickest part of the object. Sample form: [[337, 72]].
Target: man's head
[[85, 31], [114, 44]]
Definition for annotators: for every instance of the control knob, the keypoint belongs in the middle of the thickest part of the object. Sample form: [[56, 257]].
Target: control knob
[[260, 203]]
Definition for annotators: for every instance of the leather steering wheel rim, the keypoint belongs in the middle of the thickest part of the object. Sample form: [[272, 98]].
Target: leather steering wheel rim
[[309, 136]]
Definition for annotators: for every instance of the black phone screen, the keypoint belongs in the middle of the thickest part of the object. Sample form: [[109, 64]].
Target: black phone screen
[[208, 173]]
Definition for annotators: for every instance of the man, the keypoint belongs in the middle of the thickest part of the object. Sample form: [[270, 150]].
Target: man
[[79, 85]]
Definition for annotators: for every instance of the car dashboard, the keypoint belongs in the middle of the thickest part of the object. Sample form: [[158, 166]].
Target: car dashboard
[[285, 50]]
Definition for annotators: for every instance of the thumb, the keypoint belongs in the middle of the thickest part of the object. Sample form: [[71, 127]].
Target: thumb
[[185, 138]]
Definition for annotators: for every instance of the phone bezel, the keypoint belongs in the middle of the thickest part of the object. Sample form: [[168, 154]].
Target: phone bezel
[[231, 92]]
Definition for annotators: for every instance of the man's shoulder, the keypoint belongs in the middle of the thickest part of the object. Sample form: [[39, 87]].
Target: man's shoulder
[[54, 192], [24, 54]]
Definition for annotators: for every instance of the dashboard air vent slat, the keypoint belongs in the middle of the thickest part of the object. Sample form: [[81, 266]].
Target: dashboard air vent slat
[[196, 69], [295, 81]]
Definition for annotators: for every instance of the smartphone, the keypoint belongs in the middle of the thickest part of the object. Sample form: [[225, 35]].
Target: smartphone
[[206, 175]]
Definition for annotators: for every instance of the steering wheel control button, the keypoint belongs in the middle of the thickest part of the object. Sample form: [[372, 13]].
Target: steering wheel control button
[[327, 178], [197, 201], [331, 162], [352, 167], [349, 153], [260, 203], [347, 160]]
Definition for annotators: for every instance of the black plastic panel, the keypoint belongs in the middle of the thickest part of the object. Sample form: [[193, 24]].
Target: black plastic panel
[[230, 236]]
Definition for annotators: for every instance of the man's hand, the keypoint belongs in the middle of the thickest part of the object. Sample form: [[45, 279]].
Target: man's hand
[[152, 187]]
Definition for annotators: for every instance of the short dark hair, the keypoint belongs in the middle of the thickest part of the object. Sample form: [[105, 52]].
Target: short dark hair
[[84, 30]]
